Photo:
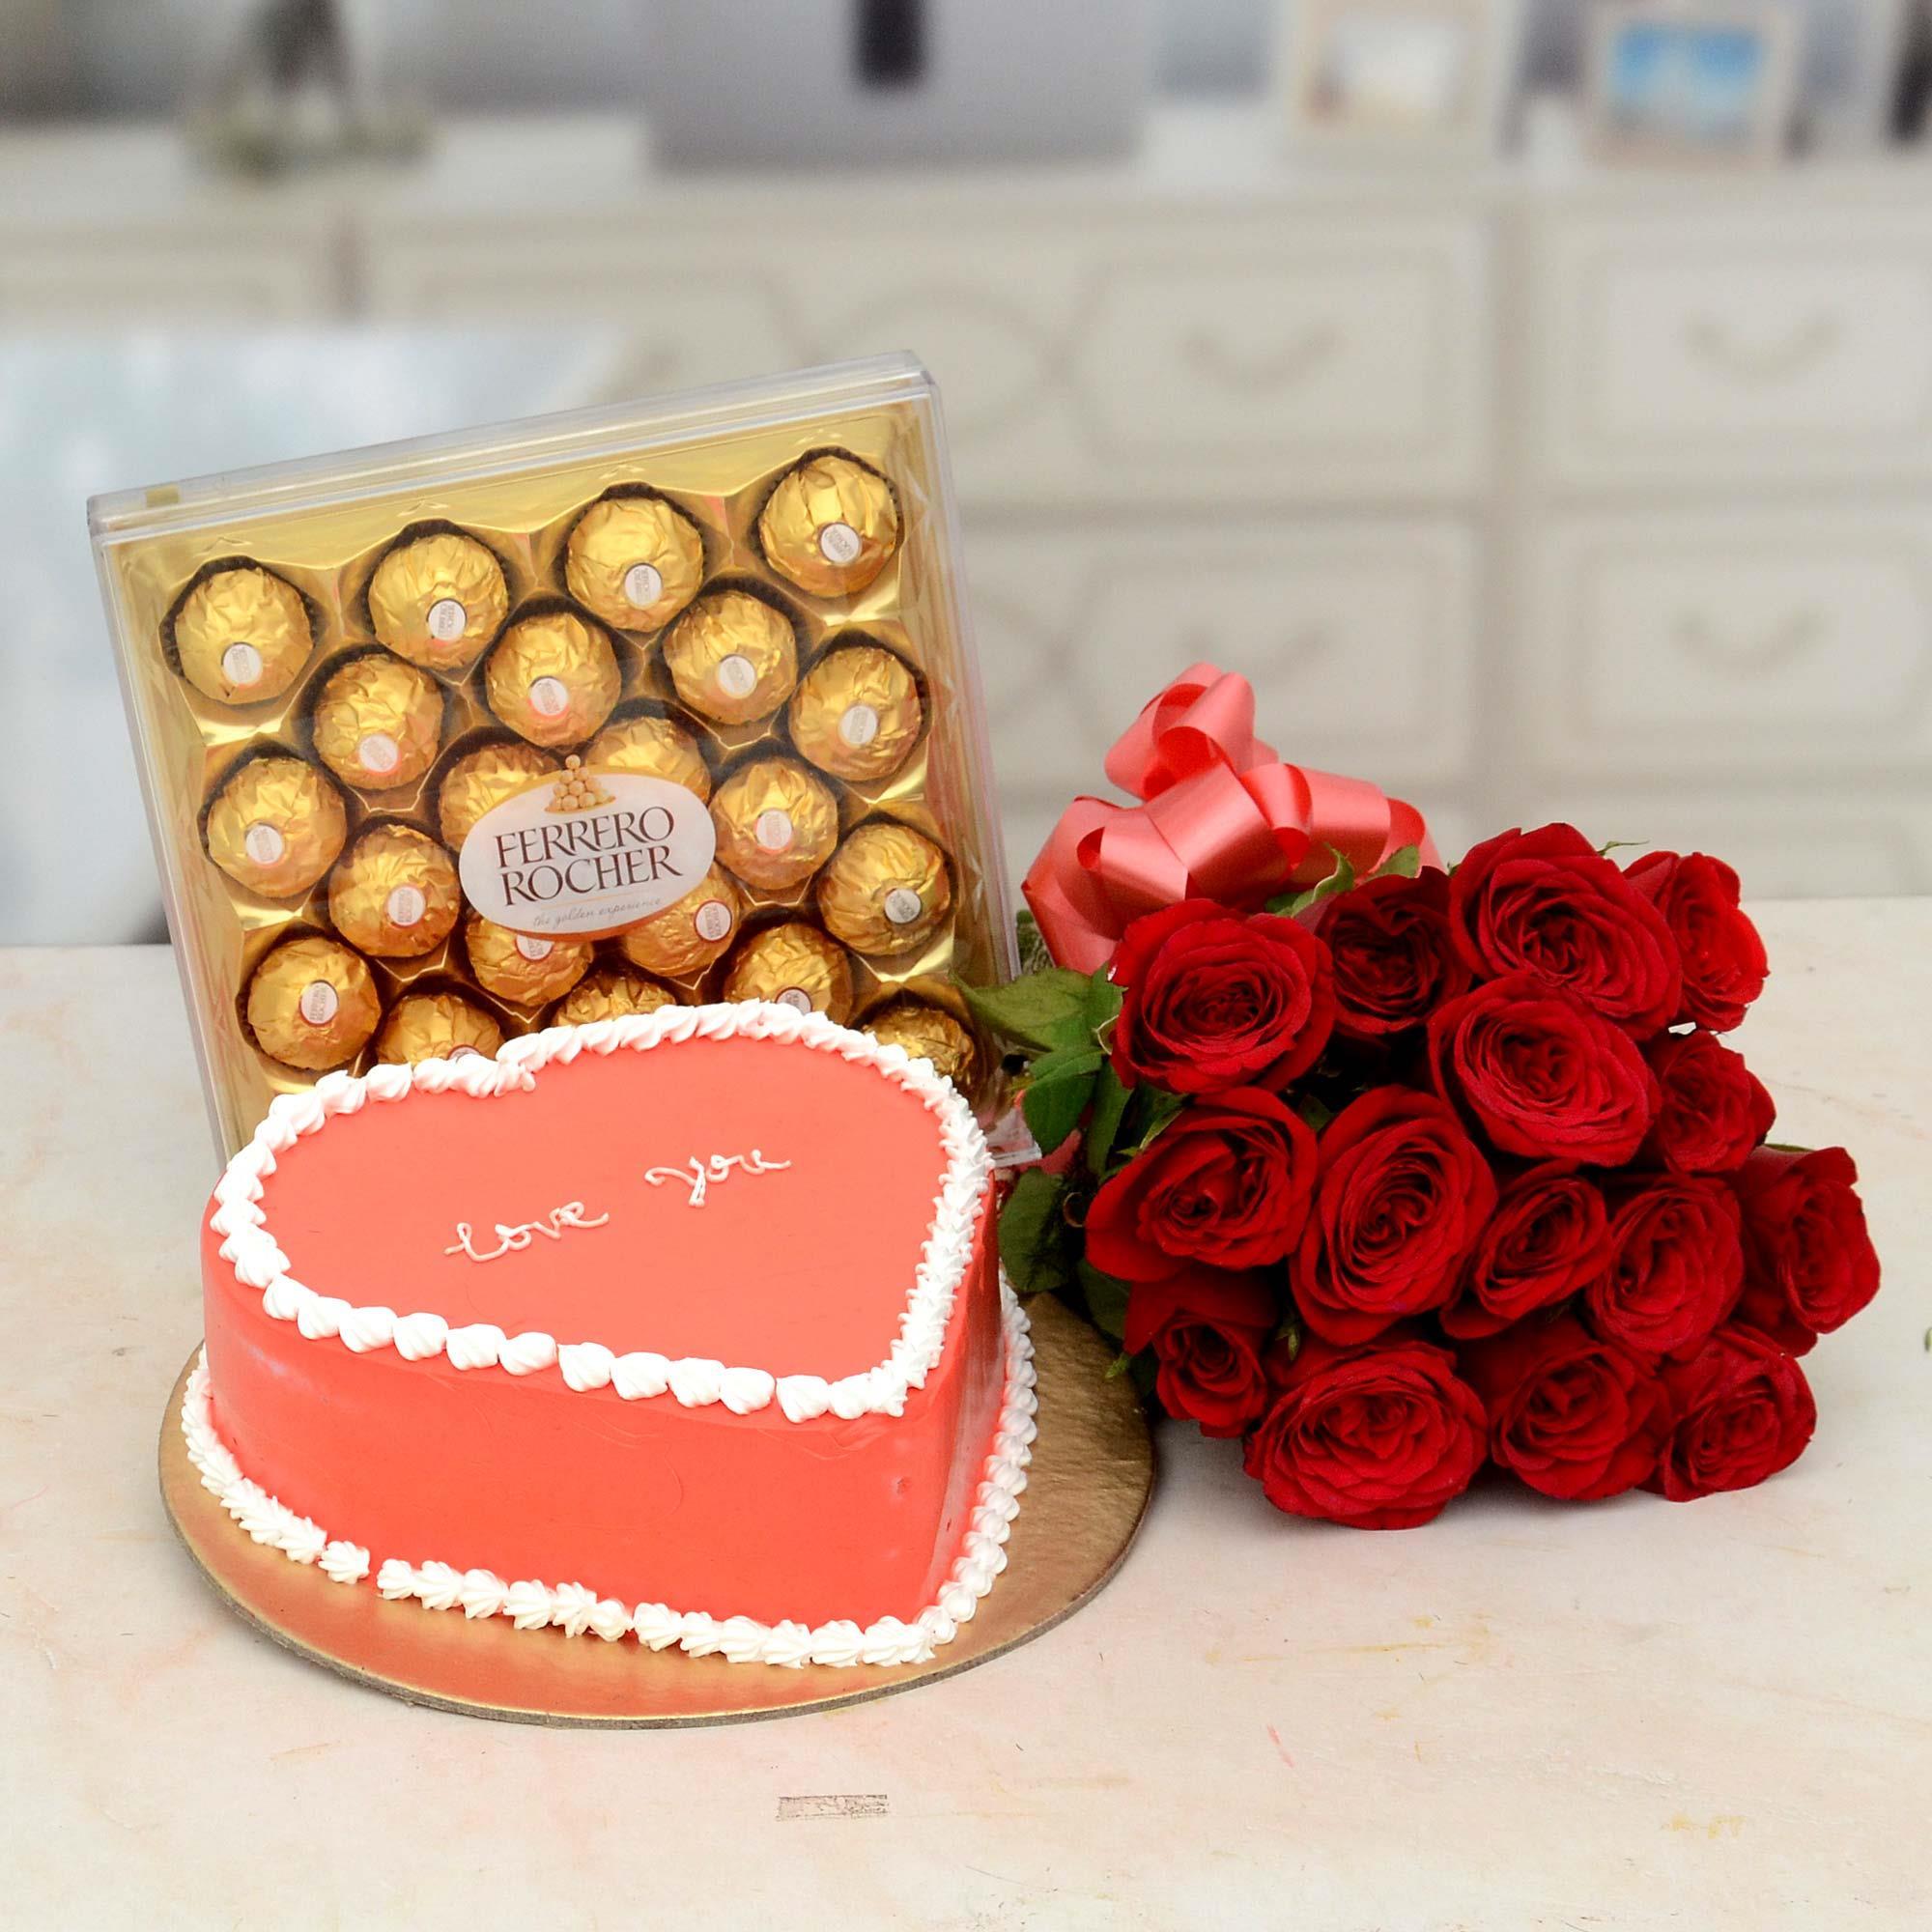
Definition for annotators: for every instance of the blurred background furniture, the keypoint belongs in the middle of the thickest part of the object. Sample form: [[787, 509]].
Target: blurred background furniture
[[1521, 486]]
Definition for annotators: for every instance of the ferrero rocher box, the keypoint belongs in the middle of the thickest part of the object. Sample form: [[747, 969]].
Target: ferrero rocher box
[[451, 740]]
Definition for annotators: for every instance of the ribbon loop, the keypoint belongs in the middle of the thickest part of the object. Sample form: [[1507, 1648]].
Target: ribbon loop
[[1220, 817]]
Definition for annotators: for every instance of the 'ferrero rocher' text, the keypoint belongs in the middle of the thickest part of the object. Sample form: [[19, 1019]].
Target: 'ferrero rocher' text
[[599, 852]]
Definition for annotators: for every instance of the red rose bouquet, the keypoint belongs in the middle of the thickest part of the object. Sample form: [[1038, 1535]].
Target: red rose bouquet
[[1390, 1170]]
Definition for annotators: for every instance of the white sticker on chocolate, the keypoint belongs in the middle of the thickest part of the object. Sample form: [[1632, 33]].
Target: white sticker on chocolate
[[405, 905], [859, 727], [447, 620], [839, 542], [319, 1003], [737, 675], [773, 830], [378, 753], [534, 949], [713, 920], [903, 905], [550, 697], [263, 844], [543, 865], [242, 665], [642, 586], [796, 998]]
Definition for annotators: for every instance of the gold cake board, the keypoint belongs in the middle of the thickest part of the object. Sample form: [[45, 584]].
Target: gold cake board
[[1087, 1490]]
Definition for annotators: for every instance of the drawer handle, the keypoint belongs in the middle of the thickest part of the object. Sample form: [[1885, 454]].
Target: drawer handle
[[1763, 363], [1781, 645], [1283, 368]]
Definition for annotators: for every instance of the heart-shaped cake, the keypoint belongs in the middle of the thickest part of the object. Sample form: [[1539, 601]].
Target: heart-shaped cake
[[688, 1324]]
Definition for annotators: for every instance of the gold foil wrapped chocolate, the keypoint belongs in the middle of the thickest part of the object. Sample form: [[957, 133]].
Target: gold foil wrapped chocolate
[[438, 599], [521, 967], [377, 722], [926, 1032], [553, 678], [732, 657], [437, 1026], [482, 780], [793, 965], [634, 559], [653, 747], [608, 993], [886, 889], [777, 822], [685, 938], [276, 826], [312, 1003], [242, 635], [394, 894], [856, 714], [830, 525]]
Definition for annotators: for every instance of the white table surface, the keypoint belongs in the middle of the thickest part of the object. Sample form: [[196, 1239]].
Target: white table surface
[[1709, 1716]]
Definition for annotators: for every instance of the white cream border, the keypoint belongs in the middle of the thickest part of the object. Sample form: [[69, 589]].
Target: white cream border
[[249, 1247], [575, 1608]]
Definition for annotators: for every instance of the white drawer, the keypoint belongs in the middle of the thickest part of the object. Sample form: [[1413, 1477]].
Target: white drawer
[[240, 271], [1748, 348], [1775, 643], [1358, 639], [1842, 843], [1151, 355]]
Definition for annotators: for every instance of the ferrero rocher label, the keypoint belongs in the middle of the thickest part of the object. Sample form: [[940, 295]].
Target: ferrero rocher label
[[608, 993], [886, 889], [439, 599], [552, 678], [377, 722], [926, 1032], [312, 1004], [830, 525], [777, 822], [394, 893], [276, 826], [524, 968], [634, 559], [437, 1026], [685, 938], [732, 657], [480, 780], [856, 714], [242, 635], [793, 965], [653, 747]]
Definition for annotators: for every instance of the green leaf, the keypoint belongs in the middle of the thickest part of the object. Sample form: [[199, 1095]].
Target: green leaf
[[1405, 863], [1110, 1106], [1118, 1367], [1337, 881], [1103, 1001], [1058, 1089], [1288, 1330], [1034, 957], [1034, 1241], [1620, 846], [1043, 1010], [1106, 1300], [1144, 1369], [1316, 1113], [1154, 1109]]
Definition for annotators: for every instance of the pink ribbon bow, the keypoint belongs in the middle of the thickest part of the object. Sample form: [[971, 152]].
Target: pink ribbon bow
[[1221, 818]]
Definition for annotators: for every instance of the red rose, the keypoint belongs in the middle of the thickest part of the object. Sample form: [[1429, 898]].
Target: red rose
[[1226, 1183], [1548, 903], [1402, 1196], [1548, 1238], [1722, 954], [1677, 1262], [1378, 1438], [1712, 1109], [1542, 1074], [1809, 1262], [1740, 1411], [1576, 1417], [1208, 1329], [1214, 999], [1394, 962]]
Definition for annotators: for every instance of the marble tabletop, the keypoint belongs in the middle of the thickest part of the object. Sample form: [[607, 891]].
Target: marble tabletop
[[1636, 1715]]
